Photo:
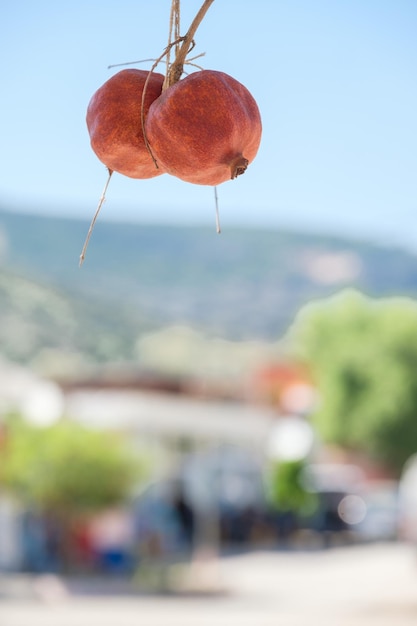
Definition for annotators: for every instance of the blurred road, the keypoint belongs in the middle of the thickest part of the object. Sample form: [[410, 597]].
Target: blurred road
[[349, 586]]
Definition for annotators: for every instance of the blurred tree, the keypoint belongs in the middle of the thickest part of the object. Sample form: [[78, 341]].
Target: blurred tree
[[363, 355], [286, 488], [67, 467], [66, 473], [290, 499]]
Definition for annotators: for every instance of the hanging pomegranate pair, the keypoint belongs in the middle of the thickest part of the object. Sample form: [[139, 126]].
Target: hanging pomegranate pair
[[204, 129]]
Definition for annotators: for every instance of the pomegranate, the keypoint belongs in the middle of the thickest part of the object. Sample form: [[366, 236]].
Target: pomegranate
[[114, 122], [204, 129]]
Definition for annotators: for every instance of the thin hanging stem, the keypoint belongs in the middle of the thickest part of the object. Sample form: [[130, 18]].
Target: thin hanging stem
[[174, 29], [216, 203], [109, 67], [171, 21], [177, 26], [93, 221]]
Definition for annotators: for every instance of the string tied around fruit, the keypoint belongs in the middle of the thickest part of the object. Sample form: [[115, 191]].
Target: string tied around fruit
[[203, 129]]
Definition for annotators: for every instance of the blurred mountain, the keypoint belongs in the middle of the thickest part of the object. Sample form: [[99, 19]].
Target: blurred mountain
[[242, 285], [40, 322]]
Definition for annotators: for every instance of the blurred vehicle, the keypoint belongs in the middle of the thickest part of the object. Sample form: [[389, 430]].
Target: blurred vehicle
[[339, 507], [381, 519], [348, 503]]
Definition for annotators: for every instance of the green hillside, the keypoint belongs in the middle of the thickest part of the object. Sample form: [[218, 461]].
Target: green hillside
[[242, 284], [38, 322]]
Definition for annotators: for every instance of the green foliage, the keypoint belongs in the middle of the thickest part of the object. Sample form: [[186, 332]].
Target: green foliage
[[67, 467], [363, 354], [286, 488]]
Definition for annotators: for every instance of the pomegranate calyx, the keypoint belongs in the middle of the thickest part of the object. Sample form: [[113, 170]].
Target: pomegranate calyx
[[238, 166]]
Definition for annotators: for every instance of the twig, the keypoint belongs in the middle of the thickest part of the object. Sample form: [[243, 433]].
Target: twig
[[216, 203], [93, 221], [176, 69], [109, 67]]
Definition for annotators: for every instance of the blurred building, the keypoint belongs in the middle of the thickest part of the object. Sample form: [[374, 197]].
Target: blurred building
[[39, 400]]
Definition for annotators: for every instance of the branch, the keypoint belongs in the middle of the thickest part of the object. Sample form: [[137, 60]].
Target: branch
[[177, 66]]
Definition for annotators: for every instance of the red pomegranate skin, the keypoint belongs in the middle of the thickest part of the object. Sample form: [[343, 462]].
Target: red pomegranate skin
[[115, 125], [204, 129]]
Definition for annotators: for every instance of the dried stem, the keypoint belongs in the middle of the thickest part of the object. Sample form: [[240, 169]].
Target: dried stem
[[216, 202], [174, 29], [176, 68], [93, 221], [109, 67]]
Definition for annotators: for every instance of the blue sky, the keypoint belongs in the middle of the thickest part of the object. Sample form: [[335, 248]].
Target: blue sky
[[335, 81]]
